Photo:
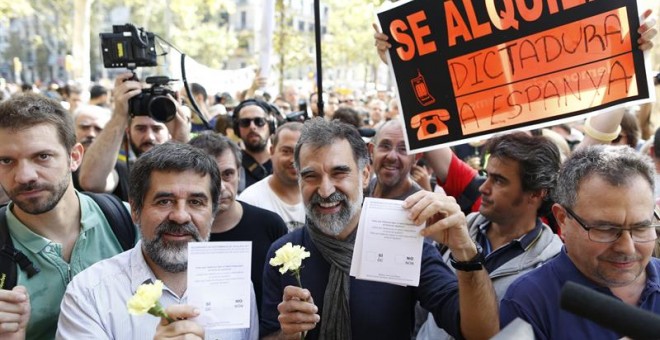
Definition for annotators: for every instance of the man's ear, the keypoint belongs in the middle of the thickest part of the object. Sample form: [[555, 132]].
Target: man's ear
[[366, 174], [135, 216], [560, 216], [77, 153], [371, 147]]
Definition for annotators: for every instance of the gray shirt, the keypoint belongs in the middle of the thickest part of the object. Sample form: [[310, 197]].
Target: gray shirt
[[413, 189]]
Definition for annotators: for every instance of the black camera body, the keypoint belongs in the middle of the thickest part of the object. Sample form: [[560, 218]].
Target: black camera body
[[127, 46], [153, 101]]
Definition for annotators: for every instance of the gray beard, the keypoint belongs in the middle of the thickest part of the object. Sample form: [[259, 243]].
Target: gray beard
[[333, 224], [170, 256]]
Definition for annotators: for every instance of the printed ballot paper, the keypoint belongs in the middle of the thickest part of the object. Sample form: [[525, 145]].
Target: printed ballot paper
[[388, 247], [219, 283]]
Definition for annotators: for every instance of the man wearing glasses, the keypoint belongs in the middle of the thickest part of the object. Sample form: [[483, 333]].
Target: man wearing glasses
[[604, 207], [254, 127]]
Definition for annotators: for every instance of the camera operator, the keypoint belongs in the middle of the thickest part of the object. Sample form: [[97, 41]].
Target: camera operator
[[143, 131]]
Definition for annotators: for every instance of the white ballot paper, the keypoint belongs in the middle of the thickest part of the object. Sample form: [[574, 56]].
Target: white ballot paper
[[388, 247], [219, 284]]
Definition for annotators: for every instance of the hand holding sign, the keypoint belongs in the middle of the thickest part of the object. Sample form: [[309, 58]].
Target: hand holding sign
[[380, 41], [647, 31]]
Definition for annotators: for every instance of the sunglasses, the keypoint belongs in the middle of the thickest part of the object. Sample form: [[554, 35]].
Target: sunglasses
[[258, 121]]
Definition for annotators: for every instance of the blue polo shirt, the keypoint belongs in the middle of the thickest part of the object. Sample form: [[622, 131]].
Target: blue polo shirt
[[535, 298], [504, 254]]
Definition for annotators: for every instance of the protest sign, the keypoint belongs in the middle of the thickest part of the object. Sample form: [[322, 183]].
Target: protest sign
[[467, 69]]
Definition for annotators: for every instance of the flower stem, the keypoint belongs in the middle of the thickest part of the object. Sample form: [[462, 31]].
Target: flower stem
[[158, 310], [296, 274]]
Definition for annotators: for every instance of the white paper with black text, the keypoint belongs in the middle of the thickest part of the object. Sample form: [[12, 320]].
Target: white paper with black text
[[219, 283], [388, 247]]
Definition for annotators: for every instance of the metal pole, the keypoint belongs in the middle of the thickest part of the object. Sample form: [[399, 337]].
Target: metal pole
[[319, 70]]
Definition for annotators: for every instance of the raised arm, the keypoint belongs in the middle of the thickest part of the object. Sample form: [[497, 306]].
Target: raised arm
[[101, 156], [446, 224]]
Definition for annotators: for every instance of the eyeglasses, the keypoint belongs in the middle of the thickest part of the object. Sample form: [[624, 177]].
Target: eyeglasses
[[258, 121], [611, 233]]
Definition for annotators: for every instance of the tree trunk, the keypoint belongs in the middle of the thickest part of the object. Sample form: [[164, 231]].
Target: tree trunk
[[81, 42]]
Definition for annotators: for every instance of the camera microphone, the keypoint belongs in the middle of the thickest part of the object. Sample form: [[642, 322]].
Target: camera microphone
[[609, 312]]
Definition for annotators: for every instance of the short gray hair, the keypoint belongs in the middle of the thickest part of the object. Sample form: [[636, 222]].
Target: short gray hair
[[617, 165]]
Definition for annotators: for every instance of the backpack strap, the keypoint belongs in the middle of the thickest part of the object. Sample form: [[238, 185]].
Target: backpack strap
[[255, 169], [8, 272], [118, 217]]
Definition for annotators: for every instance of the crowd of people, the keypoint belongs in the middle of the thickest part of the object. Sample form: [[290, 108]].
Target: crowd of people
[[101, 199]]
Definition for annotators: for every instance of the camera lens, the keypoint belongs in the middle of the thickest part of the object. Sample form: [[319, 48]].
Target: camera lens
[[162, 109]]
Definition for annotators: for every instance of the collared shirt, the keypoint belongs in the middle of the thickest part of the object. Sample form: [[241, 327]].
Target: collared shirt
[[95, 242], [94, 305], [535, 299], [497, 257]]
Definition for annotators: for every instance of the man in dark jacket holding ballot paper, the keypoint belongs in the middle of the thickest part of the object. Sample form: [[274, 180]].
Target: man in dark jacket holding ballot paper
[[332, 161]]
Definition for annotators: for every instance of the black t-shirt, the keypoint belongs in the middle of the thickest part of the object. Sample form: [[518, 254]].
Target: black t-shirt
[[255, 172], [262, 227], [120, 191]]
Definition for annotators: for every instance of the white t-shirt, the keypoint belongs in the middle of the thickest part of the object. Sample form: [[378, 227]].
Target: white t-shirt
[[260, 194]]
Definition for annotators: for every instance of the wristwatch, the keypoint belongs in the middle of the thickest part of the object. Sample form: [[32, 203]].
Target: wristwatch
[[474, 264]]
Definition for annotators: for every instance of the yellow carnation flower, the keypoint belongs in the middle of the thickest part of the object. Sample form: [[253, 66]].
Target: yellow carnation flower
[[289, 257], [145, 298]]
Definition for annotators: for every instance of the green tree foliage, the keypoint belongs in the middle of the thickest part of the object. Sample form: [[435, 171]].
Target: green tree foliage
[[290, 44], [199, 28], [14, 8], [349, 42]]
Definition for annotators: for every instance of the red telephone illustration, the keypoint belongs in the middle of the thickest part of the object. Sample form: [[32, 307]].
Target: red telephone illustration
[[422, 90], [430, 124]]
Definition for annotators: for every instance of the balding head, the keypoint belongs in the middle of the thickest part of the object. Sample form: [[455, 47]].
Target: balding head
[[89, 121]]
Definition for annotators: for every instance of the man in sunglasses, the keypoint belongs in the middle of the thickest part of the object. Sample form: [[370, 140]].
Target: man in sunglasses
[[254, 126], [604, 206]]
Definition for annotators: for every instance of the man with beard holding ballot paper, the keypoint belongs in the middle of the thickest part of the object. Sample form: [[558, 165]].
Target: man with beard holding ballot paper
[[175, 189], [332, 161]]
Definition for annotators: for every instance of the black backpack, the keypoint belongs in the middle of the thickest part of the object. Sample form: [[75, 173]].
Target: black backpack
[[115, 212]]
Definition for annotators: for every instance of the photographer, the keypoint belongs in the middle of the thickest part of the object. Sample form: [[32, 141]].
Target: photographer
[[144, 132]]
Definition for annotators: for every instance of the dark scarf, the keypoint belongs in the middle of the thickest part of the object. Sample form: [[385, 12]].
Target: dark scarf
[[336, 314]]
